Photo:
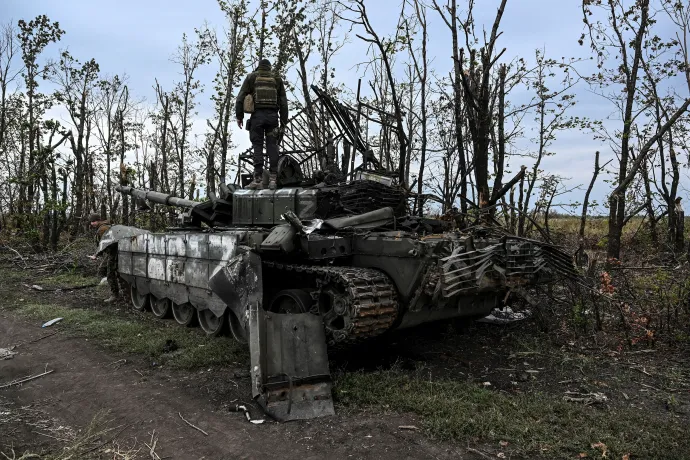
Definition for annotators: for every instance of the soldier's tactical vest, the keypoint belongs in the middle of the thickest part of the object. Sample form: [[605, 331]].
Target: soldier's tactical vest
[[101, 231], [265, 91]]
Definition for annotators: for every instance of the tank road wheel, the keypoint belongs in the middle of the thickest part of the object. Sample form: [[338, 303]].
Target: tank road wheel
[[211, 324], [160, 307], [291, 301], [139, 301], [236, 329], [184, 314]]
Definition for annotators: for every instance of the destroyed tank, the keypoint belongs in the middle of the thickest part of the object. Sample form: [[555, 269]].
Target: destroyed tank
[[363, 274], [318, 261]]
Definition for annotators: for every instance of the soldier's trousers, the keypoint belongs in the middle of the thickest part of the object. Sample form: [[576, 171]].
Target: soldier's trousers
[[111, 268], [263, 125]]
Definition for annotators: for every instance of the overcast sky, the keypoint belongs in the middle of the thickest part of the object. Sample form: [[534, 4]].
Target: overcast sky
[[139, 37]]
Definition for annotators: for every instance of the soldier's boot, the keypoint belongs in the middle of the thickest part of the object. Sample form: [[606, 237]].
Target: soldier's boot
[[257, 184], [110, 299], [273, 183]]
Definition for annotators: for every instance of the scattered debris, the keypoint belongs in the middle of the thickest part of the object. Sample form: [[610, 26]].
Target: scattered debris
[[152, 446], [585, 398], [408, 427], [650, 387], [602, 446], [637, 352], [170, 346], [505, 316], [6, 353], [193, 426], [243, 408], [643, 370], [36, 287], [40, 338], [26, 379], [478, 452], [123, 361], [51, 322]]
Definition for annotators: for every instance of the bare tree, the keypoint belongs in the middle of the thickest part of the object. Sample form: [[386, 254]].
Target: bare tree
[[9, 51], [383, 49], [422, 72], [585, 202], [110, 96], [228, 53], [478, 93], [34, 36], [76, 85], [449, 13], [190, 57], [619, 42], [162, 119], [551, 107], [9, 72]]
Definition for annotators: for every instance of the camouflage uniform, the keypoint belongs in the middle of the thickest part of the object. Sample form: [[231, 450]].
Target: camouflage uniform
[[108, 267], [264, 122], [111, 270]]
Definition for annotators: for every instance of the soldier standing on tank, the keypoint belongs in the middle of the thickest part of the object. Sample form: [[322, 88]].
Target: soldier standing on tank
[[109, 268], [269, 101]]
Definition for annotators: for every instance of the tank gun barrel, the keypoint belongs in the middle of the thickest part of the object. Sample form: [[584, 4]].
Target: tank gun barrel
[[156, 197]]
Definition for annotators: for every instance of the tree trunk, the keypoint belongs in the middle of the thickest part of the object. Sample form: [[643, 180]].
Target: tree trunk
[[585, 203]]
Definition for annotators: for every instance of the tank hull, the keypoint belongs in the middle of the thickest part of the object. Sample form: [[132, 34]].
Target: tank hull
[[431, 278]]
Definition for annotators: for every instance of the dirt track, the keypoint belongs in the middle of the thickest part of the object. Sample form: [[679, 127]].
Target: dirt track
[[86, 381]]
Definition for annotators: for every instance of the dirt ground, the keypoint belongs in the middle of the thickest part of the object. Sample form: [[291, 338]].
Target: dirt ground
[[86, 381], [142, 402]]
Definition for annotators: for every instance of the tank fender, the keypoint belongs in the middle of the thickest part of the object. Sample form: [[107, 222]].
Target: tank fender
[[116, 233], [239, 283]]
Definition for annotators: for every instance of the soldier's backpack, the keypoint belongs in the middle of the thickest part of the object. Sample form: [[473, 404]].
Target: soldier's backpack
[[265, 91]]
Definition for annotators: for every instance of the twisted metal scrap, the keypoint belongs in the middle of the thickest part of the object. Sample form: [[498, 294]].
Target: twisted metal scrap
[[517, 261]]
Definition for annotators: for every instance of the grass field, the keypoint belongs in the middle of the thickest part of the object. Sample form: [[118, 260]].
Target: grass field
[[529, 425], [520, 424]]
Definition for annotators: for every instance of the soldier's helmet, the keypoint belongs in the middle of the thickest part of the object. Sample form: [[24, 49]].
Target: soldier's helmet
[[95, 217]]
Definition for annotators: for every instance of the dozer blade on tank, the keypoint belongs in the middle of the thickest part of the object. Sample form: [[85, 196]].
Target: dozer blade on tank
[[321, 262]]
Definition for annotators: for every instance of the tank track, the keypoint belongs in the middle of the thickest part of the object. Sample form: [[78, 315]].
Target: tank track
[[370, 299]]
